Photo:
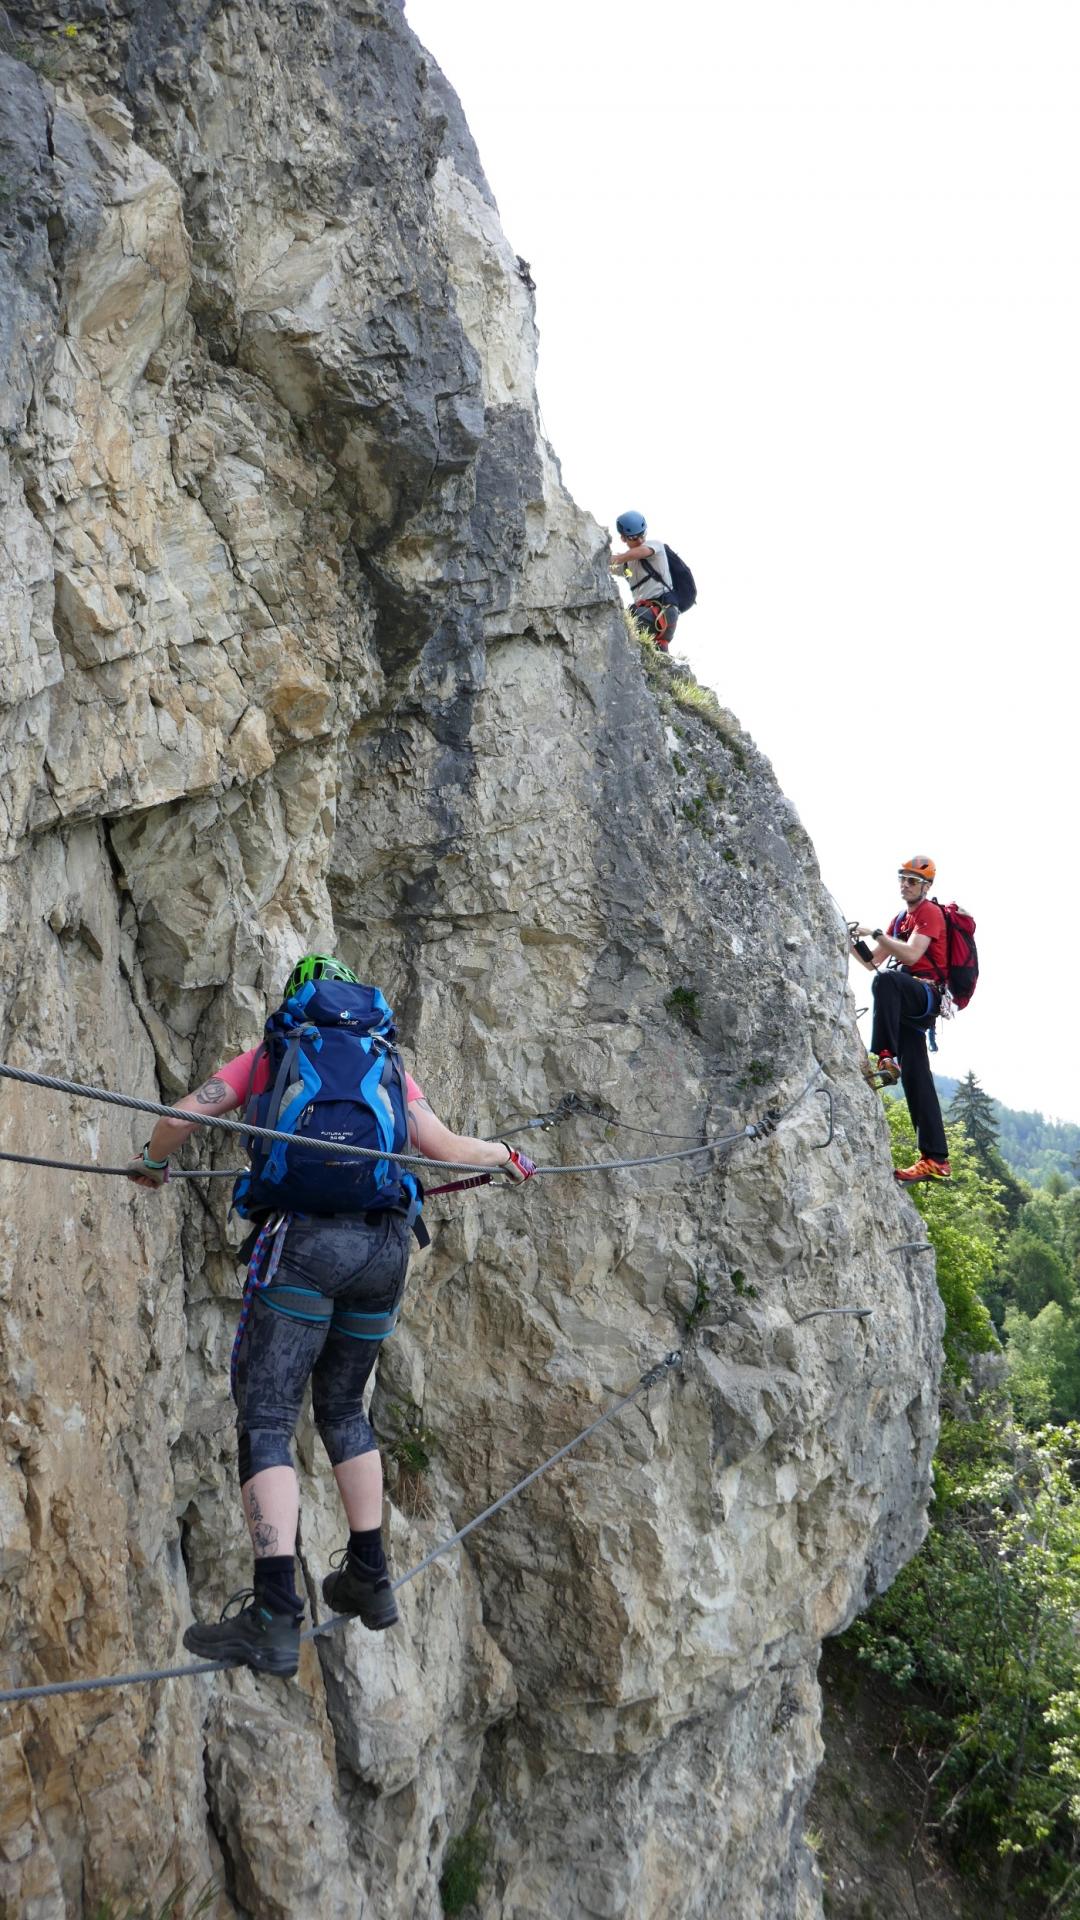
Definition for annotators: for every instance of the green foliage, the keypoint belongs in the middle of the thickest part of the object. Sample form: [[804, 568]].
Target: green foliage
[[682, 1002], [1032, 1146], [412, 1444], [759, 1073], [979, 1629], [1044, 1364], [703, 1293], [1034, 1273], [463, 1870], [965, 1223], [1040, 1217], [686, 693], [974, 1109], [45, 56]]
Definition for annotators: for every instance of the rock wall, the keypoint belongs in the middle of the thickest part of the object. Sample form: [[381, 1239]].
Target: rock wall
[[305, 644]]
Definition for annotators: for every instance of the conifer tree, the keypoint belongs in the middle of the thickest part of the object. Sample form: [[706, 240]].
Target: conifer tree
[[973, 1106]]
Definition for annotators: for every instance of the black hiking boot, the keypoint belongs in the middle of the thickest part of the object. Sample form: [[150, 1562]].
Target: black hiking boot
[[353, 1589], [255, 1637]]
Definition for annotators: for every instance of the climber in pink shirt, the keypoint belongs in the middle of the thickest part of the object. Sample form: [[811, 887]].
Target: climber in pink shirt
[[325, 1284]]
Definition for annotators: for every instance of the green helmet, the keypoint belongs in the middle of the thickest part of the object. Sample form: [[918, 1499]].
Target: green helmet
[[316, 966]]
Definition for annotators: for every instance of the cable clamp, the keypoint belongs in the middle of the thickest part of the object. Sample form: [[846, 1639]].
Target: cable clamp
[[653, 1375]]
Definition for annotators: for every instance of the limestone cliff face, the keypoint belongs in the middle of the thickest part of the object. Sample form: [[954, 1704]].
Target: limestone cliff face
[[303, 642]]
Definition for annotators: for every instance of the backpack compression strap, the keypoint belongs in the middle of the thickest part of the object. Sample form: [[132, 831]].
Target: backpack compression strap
[[658, 577]]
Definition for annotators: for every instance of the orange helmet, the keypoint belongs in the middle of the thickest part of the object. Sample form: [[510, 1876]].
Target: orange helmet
[[921, 866]]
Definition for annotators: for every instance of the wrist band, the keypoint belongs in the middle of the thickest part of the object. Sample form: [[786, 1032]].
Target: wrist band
[[878, 935], [155, 1164]]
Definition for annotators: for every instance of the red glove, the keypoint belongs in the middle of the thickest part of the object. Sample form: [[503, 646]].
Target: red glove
[[519, 1167]]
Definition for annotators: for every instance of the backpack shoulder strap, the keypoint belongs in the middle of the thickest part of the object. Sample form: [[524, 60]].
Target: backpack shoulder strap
[[943, 974], [398, 1069], [284, 1075], [423, 1237], [260, 1053]]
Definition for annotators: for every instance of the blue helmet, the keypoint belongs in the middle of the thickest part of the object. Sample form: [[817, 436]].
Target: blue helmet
[[631, 525]]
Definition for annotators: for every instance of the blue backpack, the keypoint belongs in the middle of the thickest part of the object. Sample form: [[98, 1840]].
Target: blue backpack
[[335, 1074]]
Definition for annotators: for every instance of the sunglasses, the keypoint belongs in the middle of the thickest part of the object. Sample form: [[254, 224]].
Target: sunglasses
[[910, 880]]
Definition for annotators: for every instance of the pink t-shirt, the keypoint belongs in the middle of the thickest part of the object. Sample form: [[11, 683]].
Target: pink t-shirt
[[237, 1075]]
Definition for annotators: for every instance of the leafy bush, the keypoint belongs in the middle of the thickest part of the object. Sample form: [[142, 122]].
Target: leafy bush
[[683, 1003], [965, 1223], [463, 1870], [980, 1629]]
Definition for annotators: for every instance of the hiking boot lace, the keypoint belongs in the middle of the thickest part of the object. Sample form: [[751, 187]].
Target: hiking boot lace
[[237, 1602]]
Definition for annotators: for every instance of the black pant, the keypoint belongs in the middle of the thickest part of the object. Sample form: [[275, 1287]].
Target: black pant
[[902, 1014], [336, 1283]]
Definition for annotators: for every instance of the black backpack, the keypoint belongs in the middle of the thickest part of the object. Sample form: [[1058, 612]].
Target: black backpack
[[682, 580]]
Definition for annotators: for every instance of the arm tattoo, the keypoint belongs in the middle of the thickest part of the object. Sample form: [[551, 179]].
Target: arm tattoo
[[264, 1537], [213, 1092]]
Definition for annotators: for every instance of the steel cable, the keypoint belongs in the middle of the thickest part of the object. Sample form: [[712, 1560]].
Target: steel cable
[[91, 1166], [50, 1689], [346, 1150]]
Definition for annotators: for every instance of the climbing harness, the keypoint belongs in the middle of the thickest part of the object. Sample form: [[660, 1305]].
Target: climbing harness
[[663, 1369]]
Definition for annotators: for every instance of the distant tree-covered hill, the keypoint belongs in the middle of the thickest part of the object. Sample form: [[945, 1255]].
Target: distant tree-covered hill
[[1031, 1145]]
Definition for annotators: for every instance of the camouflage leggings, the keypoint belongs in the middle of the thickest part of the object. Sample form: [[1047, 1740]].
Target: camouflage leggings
[[332, 1301]]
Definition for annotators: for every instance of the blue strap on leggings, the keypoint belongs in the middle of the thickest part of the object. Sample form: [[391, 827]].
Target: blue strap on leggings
[[308, 1304], [298, 1303], [365, 1326]]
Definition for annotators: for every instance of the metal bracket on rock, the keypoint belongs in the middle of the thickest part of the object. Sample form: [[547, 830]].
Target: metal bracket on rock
[[820, 1313], [825, 1093], [760, 1129], [912, 1246]]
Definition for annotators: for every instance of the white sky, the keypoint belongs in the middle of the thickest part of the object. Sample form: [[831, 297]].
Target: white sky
[[809, 297]]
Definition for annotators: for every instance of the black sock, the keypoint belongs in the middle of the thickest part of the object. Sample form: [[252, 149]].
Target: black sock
[[367, 1550], [275, 1583]]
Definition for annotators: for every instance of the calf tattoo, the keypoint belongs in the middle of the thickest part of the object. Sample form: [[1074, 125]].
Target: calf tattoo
[[264, 1536]]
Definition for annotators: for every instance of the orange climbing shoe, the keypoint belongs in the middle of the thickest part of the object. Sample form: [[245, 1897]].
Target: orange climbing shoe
[[885, 1071], [923, 1169]]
